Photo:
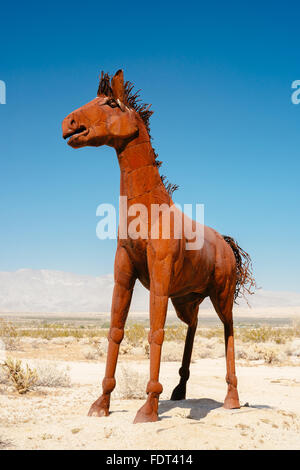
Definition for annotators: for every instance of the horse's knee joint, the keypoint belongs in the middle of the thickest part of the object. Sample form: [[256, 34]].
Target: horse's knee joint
[[154, 387], [108, 384], [156, 337], [116, 335]]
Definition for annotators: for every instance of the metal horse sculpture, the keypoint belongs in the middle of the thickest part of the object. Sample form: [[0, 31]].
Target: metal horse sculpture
[[220, 270]]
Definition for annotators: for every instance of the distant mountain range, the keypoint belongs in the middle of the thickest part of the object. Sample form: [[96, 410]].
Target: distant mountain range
[[45, 291]]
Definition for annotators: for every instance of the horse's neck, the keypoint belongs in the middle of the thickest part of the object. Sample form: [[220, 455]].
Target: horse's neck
[[140, 178]]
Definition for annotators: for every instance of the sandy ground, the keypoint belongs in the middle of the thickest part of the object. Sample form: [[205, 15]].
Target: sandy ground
[[56, 418]]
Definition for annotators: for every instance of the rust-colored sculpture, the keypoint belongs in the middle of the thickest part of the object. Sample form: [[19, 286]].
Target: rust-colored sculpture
[[219, 270]]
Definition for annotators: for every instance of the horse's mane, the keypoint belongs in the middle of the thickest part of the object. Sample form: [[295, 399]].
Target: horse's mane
[[132, 100]]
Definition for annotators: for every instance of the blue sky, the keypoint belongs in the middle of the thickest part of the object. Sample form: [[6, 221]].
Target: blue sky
[[219, 78]]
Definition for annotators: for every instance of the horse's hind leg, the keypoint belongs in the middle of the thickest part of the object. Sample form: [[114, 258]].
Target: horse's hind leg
[[223, 306], [179, 391], [188, 313]]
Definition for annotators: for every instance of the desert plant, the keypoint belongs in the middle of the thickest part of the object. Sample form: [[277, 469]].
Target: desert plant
[[273, 356], [146, 347], [248, 353], [175, 333], [90, 353], [7, 329], [49, 375], [131, 384], [172, 351], [208, 348], [293, 348], [135, 334], [9, 335], [23, 379], [126, 348], [217, 332], [265, 334], [269, 352], [95, 348]]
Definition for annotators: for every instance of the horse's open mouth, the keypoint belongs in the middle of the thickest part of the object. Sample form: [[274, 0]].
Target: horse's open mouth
[[82, 130]]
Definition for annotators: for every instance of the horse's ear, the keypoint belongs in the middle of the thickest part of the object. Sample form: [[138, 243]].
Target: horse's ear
[[117, 85]]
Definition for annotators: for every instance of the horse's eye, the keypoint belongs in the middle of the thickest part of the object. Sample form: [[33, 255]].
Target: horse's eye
[[112, 103]]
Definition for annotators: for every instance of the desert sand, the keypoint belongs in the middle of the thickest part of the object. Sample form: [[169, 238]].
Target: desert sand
[[56, 418]]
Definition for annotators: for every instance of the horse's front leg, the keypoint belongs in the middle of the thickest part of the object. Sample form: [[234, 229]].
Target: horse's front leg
[[124, 283], [160, 273]]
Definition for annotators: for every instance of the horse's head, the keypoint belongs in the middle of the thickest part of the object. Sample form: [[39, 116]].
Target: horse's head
[[112, 118]]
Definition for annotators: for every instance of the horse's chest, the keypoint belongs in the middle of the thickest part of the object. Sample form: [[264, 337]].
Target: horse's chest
[[137, 252]]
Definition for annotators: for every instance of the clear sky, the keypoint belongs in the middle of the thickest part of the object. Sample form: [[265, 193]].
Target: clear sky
[[218, 75]]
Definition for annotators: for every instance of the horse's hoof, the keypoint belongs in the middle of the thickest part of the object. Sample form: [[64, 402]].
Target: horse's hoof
[[232, 402], [99, 408], [98, 412], [145, 418], [178, 393], [148, 412]]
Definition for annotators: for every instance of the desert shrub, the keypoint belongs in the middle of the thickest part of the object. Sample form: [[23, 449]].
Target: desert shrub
[[49, 375], [131, 384], [9, 335], [175, 333], [135, 334], [265, 334], [90, 353], [11, 343], [293, 349], [270, 353], [7, 329], [248, 353], [171, 352], [146, 347], [126, 348], [280, 336], [94, 350], [273, 356], [217, 332], [23, 379], [208, 348], [270, 356], [255, 334]]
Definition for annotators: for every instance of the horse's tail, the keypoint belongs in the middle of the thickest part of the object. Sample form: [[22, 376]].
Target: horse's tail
[[245, 282]]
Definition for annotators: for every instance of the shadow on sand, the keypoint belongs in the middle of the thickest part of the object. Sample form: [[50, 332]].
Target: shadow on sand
[[199, 408]]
